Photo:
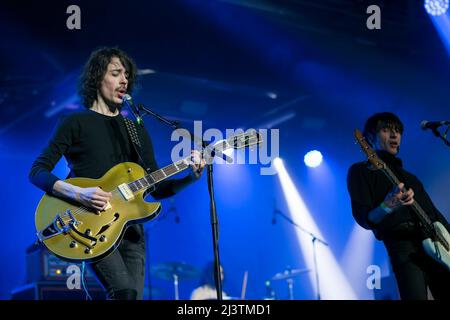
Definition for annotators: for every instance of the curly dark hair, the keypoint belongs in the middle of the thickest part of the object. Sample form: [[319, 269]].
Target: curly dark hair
[[380, 121], [95, 70]]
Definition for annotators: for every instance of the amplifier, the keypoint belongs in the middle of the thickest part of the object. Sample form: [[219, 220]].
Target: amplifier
[[55, 290], [41, 265]]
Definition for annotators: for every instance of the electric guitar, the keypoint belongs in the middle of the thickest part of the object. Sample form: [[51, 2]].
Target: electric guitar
[[77, 233], [437, 243]]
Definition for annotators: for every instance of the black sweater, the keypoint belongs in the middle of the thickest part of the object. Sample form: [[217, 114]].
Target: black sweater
[[93, 143], [368, 188]]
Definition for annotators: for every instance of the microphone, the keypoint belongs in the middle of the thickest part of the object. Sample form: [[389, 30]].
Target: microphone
[[433, 125], [128, 101]]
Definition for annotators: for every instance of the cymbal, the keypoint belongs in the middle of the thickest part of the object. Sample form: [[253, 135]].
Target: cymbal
[[288, 274], [168, 270]]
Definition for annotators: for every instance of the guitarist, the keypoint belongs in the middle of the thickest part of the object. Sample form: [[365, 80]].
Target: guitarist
[[95, 140], [386, 210]]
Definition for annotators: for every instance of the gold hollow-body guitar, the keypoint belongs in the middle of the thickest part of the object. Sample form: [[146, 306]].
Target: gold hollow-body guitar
[[436, 245], [77, 233]]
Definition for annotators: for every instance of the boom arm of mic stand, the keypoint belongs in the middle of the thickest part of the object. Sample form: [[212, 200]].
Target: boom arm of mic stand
[[195, 139], [315, 238], [442, 136], [173, 124]]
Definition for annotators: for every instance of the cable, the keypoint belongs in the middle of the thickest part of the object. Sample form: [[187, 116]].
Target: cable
[[83, 281]]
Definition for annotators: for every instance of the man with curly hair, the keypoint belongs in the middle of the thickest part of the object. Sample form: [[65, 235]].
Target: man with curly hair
[[93, 141]]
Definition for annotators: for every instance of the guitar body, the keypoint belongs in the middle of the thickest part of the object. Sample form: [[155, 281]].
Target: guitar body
[[76, 233], [94, 235], [435, 249]]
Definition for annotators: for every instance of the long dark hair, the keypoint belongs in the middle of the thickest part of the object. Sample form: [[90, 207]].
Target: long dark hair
[[95, 70]]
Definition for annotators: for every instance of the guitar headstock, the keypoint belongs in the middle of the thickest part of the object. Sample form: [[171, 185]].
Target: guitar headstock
[[369, 152], [246, 139], [238, 141]]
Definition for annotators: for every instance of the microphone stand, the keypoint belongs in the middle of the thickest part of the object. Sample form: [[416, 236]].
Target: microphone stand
[[442, 136], [213, 212], [314, 239]]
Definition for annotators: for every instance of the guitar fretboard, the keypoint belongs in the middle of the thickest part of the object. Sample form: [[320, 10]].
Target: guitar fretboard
[[237, 142], [159, 175]]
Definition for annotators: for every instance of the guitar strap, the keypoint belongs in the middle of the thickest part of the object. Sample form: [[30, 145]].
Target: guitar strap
[[134, 137]]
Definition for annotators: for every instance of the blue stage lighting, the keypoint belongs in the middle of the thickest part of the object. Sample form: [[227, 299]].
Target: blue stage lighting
[[436, 7], [313, 158]]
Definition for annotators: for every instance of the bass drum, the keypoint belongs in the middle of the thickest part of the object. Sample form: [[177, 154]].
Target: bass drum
[[208, 293]]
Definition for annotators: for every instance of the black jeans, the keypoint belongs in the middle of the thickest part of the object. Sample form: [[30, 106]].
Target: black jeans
[[122, 272], [416, 272]]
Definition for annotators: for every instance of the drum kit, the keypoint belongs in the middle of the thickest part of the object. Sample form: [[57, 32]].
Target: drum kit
[[175, 271], [288, 275], [180, 271]]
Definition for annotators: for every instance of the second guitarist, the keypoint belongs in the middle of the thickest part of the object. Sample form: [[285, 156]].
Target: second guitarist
[[93, 141], [386, 210]]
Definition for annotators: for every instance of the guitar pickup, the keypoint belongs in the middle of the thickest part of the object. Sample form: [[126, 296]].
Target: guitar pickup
[[126, 192]]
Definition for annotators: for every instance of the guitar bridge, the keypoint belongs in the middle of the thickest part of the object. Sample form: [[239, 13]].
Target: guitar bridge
[[58, 226]]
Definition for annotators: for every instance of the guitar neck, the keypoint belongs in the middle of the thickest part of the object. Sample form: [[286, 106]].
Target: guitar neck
[[236, 142], [159, 175], [415, 206]]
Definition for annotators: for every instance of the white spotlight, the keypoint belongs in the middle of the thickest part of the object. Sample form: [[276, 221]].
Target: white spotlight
[[333, 283], [277, 162], [436, 7], [313, 158]]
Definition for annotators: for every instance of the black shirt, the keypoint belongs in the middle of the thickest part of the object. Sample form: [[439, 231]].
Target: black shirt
[[368, 188], [92, 143]]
